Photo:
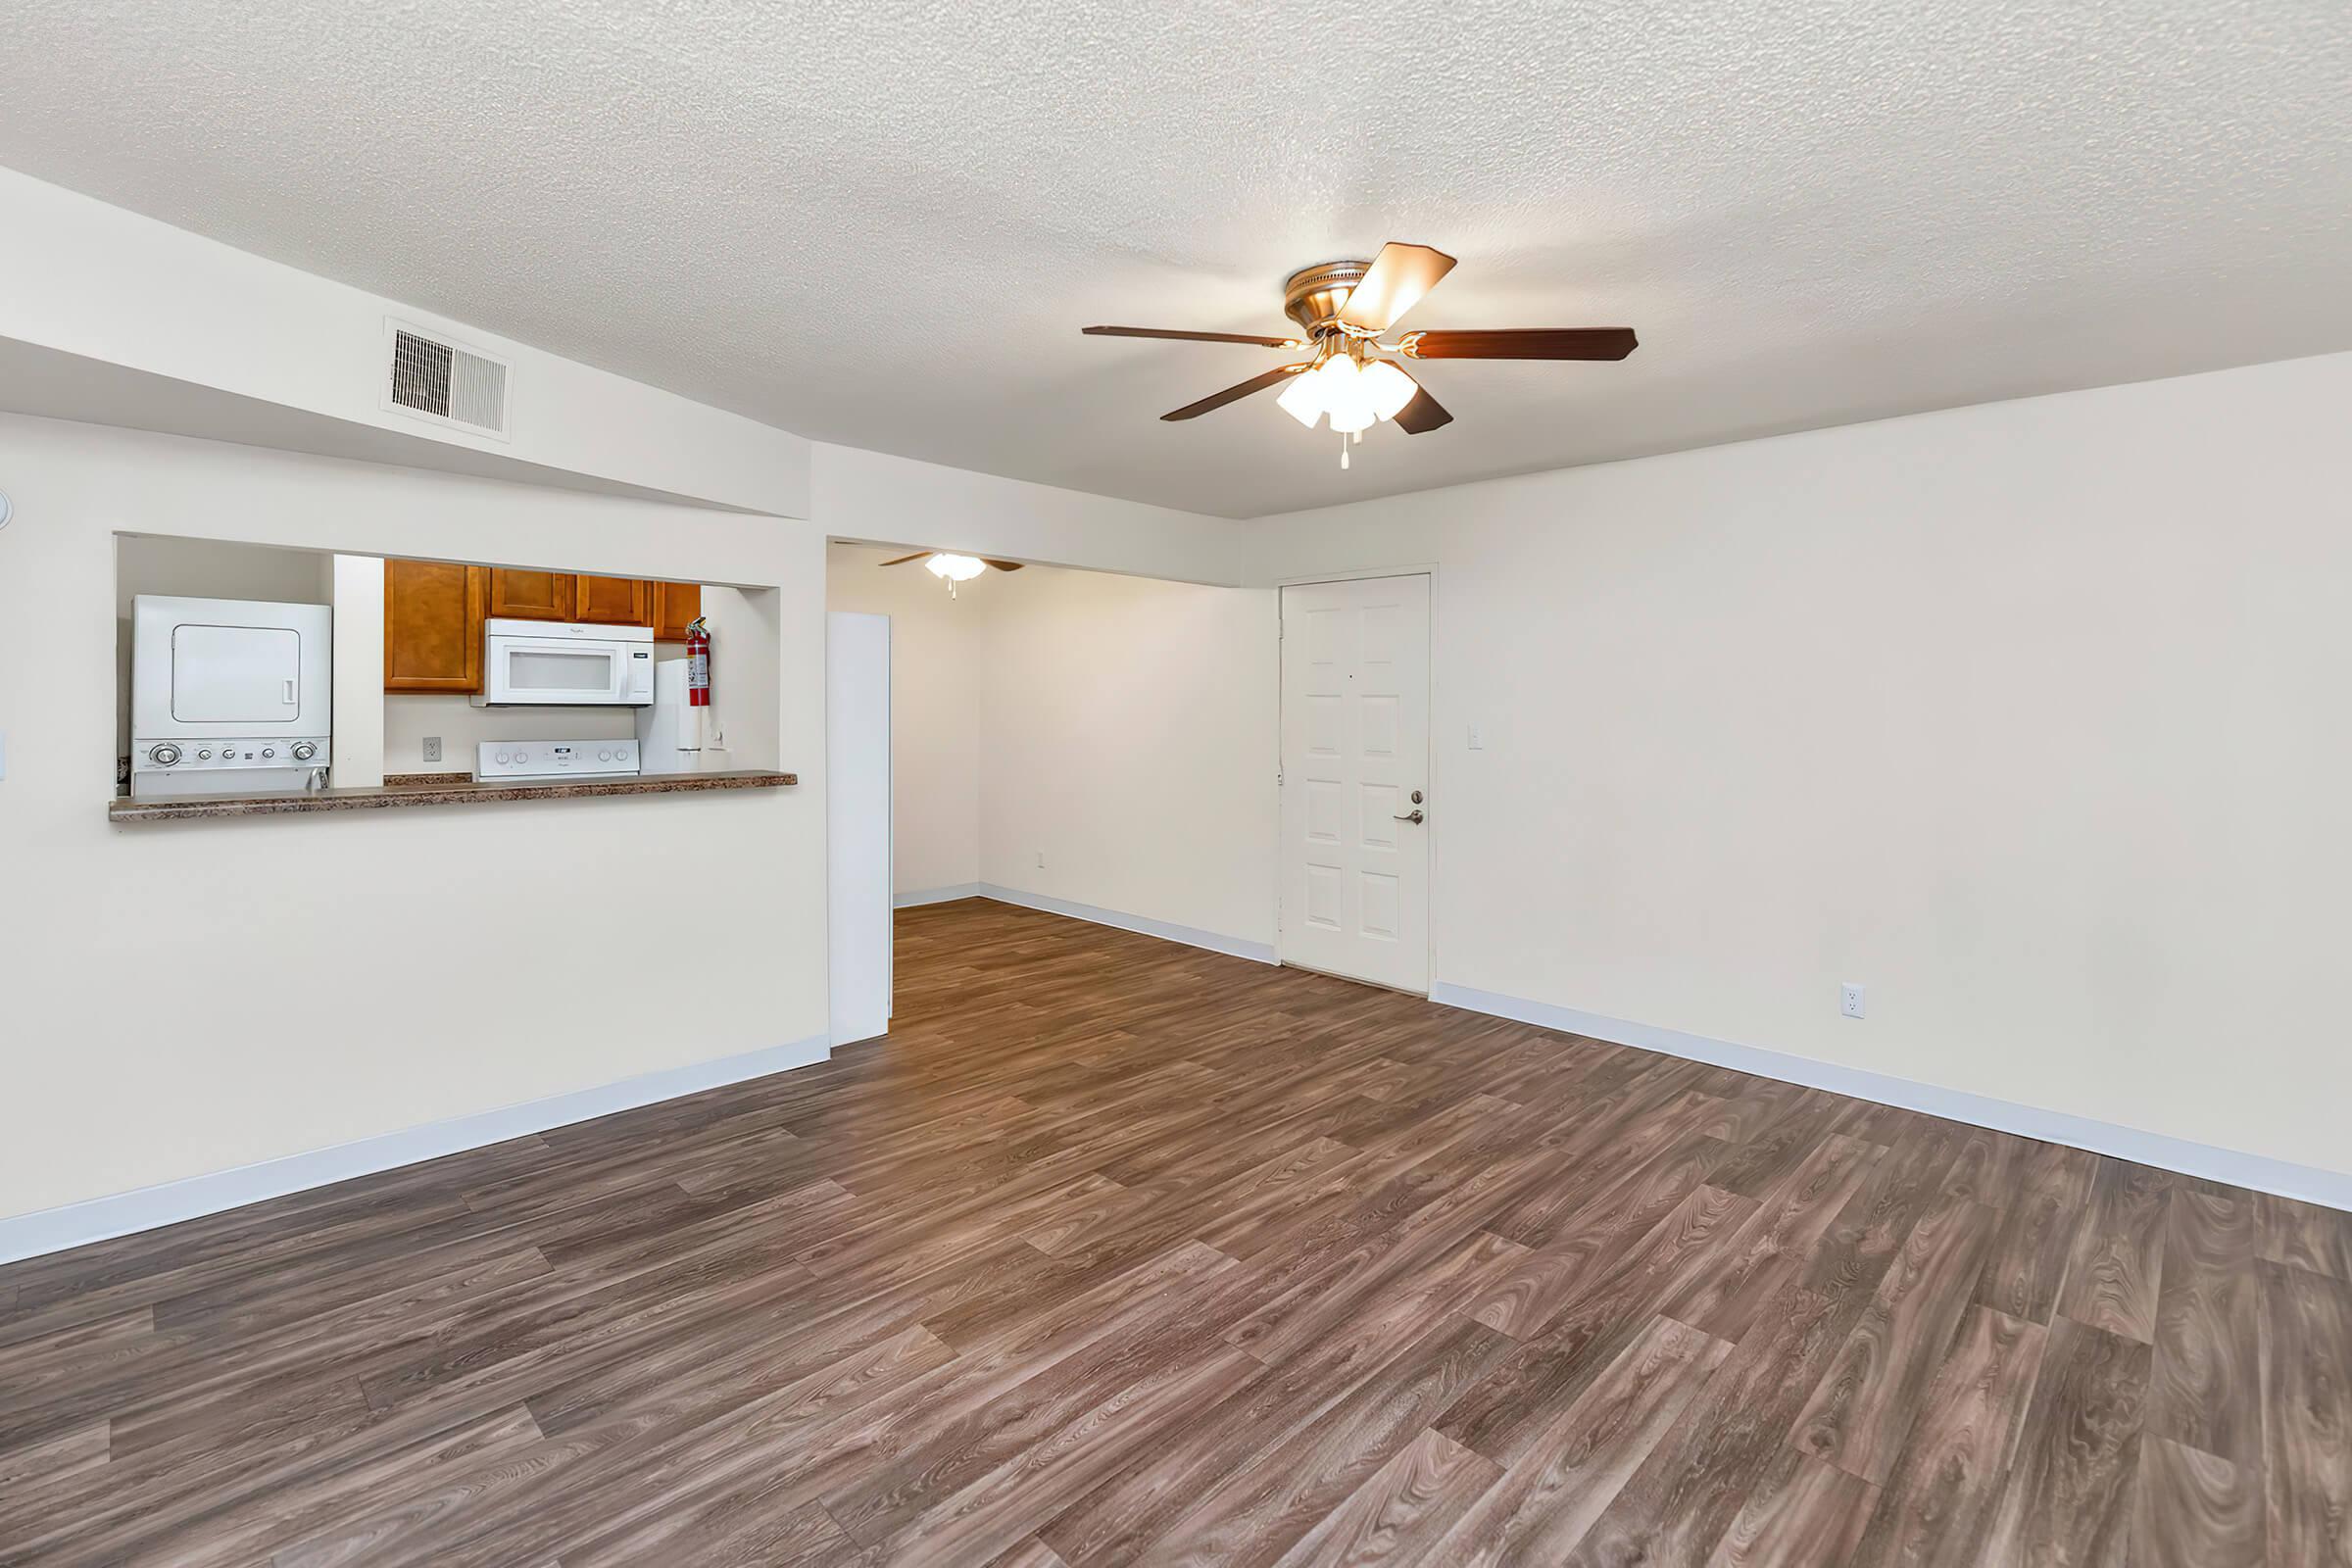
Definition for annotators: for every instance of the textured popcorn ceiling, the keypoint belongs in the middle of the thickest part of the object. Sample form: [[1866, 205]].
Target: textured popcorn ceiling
[[883, 223]]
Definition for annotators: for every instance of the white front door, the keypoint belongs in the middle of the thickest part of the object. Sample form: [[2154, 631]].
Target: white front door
[[1355, 769]]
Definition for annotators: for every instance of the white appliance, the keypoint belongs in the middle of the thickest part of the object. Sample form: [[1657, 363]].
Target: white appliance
[[547, 664], [670, 729], [228, 695], [538, 762]]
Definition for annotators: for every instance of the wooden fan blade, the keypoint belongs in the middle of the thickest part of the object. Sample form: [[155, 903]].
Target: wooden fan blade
[[1195, 337], [1003, 565], [1422, 416], [1400, 274], [1522, 343], [902, 560], [1234, 394]]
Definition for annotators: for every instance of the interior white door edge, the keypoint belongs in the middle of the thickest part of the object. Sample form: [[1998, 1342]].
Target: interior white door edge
[[1355, 783]]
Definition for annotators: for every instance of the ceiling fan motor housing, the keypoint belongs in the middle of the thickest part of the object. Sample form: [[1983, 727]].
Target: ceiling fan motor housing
[[1315, 296]]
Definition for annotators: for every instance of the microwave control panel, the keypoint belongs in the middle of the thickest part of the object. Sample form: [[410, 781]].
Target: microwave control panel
[[556, 759]]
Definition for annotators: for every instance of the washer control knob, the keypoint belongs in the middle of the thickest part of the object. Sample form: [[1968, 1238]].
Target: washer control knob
[[163, 756], [204, 757], [268, 751], [304, 751]]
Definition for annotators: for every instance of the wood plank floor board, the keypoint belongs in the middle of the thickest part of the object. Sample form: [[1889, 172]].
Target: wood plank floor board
[[1539, 1509], [1504, 1414], [1860, 1415], [1937, 1507], [2039, 1218], [2208, 1365], [1805, 1513], [2071, 1490], [2194, 1510], [2115, 1268], [2307, 1416], [2306, 1235], [1122, 1252]]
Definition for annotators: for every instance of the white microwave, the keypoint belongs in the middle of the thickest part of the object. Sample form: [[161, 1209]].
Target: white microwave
[[552, 665]]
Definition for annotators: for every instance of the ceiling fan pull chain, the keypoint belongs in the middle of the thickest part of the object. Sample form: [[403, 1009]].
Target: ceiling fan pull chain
[[1343, 452]]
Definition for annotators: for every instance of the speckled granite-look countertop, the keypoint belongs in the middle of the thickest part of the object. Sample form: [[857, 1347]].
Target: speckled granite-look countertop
[[435, 789]]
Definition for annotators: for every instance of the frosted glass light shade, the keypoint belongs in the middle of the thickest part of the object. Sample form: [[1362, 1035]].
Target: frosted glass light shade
[[1303, 399], [954, 569], [1387, 388], [1345, 399]]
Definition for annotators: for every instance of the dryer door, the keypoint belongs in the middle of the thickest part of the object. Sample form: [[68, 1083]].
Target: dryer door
[[241, 675]]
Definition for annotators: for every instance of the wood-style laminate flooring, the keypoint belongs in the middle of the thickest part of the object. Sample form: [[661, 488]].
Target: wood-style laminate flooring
[[1118, 1251]]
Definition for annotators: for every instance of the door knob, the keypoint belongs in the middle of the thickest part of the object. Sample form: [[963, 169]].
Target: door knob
[[1413, 815]]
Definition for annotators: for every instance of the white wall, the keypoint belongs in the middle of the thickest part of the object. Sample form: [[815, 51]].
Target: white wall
[[1129, 733], [185, 998], [357, 583], [936, 688], [120, 289], [2028, 716]]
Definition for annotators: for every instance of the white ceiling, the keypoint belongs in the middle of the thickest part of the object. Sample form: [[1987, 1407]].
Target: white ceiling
[[883, 223]]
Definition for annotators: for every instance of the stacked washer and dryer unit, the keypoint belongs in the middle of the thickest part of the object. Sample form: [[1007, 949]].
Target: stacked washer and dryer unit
[[228, 696]]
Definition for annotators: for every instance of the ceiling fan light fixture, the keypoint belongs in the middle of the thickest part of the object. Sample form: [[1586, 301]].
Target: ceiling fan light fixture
[[954, 569]]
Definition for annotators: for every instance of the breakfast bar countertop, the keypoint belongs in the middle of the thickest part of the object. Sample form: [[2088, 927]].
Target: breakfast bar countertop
[[436, 789]]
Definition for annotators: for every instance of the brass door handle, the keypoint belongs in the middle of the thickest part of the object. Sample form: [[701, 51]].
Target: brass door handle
[[1413, 815]]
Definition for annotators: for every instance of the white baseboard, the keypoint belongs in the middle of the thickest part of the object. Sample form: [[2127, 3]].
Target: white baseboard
[[54, 1230], [1234, 946], [2258, 1171], [961, 890]]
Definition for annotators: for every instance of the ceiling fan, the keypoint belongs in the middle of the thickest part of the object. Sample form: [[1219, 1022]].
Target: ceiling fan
[[1345, 306], [952, 569]]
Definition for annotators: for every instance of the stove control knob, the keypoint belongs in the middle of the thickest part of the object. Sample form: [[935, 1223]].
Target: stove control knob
[[304, 751], [163, 756]]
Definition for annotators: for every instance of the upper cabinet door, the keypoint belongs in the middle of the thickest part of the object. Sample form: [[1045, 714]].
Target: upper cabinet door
[[433, 626], [675, 604], [613, 601], [530, 595]]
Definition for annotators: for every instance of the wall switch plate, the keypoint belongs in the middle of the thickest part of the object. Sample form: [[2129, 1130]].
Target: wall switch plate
[[1478, 739], [1041, 859], [432, 748], [1849, 1000]]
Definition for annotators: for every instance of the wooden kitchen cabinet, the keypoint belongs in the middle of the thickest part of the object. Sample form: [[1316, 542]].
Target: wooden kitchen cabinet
[[530, 595], [433, 626], [675, 604], [613, 601]]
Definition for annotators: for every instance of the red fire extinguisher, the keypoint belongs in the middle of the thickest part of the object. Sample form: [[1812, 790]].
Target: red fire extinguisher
[[697, 662]]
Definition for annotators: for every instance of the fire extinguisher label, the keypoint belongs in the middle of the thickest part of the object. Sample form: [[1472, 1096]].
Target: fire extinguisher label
[[698, 677]]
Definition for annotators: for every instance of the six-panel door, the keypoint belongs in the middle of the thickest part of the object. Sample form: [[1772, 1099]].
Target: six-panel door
[[1355, 751]]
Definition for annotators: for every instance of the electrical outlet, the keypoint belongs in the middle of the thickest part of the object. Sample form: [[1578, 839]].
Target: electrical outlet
[[1849, 1000], [432, 748]]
